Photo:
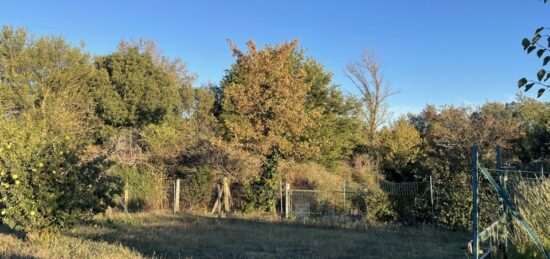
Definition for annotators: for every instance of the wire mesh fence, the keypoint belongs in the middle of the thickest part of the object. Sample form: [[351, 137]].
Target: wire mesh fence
[[412, 202], [309, 203]]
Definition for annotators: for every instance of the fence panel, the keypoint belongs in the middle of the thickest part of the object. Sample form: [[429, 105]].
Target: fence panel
[[411, 202]]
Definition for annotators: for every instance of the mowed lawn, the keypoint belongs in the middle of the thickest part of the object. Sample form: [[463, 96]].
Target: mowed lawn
[[188, 236]]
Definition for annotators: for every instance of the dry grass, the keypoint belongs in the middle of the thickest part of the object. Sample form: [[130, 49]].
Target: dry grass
[[533, 201], [188, 236], [63, 246]]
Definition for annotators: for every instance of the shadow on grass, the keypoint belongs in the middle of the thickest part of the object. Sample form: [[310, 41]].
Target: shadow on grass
[[18, 234], [16, 256], [8, 231], [168, 236]]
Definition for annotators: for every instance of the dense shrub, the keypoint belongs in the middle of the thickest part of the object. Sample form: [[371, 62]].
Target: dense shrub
[[197, 187], [146, 188], [261, 192], [369, 198], [44, 185]]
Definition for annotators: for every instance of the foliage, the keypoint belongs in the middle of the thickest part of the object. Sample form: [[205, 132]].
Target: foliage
[[276, 116], [541, 43], [145, 186], [533, 144], [261, 193], [48, 180], [224, 159], [368, 197], [45, 79], [201, 116], [132, 89], [263, 101], [400, 147], [165, 141], [198, 189], [338, 128], [448, 134], [45, 186]]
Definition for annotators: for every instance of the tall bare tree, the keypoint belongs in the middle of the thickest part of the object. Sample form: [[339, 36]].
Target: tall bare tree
[[366, 74]]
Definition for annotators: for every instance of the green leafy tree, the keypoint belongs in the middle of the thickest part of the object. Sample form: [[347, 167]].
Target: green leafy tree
[[135, 87], [263, 108], [277, 101], [141, 98], [447, 135], [337, 130], [47, 180], [539, 44], [400, 146], [46, 79], [533, 144]]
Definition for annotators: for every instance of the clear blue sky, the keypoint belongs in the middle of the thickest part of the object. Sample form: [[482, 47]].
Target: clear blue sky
[[436, 52]]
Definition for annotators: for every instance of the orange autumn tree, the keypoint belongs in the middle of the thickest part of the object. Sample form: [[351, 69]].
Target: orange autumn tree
[[263, 103], [263, 109]]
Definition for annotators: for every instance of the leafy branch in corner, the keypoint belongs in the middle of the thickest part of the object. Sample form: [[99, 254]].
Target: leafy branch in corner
[[540, 43]]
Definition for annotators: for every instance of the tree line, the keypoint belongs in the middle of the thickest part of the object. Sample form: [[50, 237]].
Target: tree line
[[76, 129]]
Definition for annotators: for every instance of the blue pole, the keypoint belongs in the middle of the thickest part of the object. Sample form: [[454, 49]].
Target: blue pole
[[504, 213], [475, 210]]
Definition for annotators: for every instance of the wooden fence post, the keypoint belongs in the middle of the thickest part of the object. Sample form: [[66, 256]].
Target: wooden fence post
[[226, 195], [126, 198], [176, 196], [287, 200], [219, 200]]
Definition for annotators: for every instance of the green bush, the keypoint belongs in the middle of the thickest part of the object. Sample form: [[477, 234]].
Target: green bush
[[261, 192], [145, 187], [374, 204], [43, 184], [197, 187]]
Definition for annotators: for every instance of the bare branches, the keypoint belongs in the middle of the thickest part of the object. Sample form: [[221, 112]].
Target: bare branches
[[366, 74]]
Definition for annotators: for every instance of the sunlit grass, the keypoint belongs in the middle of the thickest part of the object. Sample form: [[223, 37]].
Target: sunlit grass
[[182, 236]]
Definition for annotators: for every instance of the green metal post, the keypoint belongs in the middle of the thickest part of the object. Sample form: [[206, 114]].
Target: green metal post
[[475, 210], [504, 213]]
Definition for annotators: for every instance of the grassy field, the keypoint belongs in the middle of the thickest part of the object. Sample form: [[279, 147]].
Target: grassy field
[[187, 236]]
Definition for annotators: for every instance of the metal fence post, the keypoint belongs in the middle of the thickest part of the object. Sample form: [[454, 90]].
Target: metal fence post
[[176, 195], [281, 195], [345, 197], [504, 213], [475, 210], [432, 202], [287, 200]]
